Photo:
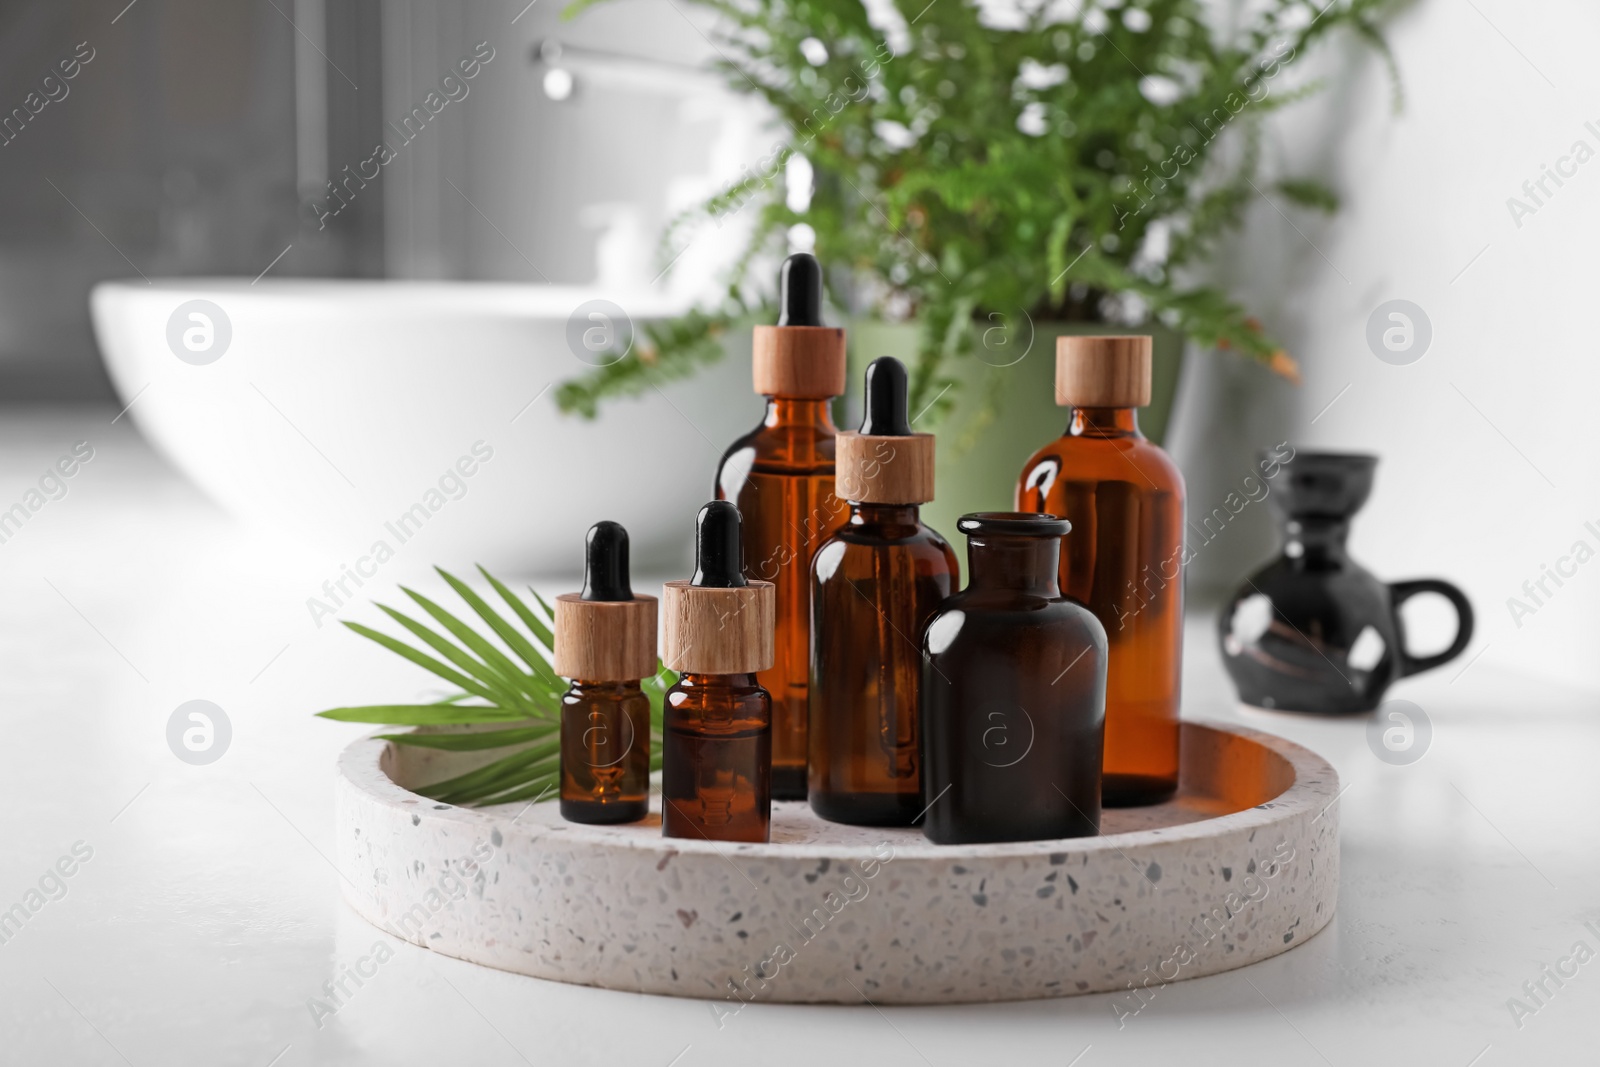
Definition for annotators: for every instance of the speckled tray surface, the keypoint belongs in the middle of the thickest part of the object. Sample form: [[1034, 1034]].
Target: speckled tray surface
[[1243, 864]]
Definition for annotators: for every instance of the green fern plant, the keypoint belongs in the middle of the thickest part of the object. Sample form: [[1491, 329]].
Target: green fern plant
[[509, 685], [1065, 162]]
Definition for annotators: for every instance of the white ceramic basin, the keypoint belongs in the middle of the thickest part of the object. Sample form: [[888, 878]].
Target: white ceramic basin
[[360, 413]]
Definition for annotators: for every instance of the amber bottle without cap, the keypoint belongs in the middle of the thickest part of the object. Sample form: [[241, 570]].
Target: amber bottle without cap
[[1124, 557], [716, 751], [605, 641], [1013, 693], [874, 585], [781, 477]]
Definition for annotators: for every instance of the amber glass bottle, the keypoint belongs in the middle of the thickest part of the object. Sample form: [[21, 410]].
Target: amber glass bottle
[[605, 752], [716, 752], [874, 584], [605, 641], [781, 477], [1013, 693], [1124, 557]]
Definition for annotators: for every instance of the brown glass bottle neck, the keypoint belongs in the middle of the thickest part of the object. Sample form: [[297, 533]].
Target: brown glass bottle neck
[[584, 685], [1021, 564], [884, 514], [1104, 422], [794, 411], [692, 680]]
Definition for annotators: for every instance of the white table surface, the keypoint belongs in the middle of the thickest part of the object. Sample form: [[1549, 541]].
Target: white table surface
[[209, 914]]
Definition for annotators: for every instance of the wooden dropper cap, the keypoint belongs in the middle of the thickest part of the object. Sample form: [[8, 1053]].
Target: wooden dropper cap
[[605, 633], [884, 462], [799, 358], [1103, 372], [718, 622]]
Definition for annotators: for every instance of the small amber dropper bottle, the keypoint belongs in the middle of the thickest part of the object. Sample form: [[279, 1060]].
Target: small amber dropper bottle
[[781, 476], [874, 586], [716, 749], [605, 641]]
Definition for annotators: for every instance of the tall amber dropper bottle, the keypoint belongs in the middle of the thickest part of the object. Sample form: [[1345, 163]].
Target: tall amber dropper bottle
[[716, 751], [781, 476], [874, 585], [1124, 557], [605, 641]]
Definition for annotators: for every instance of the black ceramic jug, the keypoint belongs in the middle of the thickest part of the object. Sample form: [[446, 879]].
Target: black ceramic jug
[[1314, 630]]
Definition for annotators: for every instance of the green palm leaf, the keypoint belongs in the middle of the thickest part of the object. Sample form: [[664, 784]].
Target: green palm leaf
[[489, 682], [422, 659], [502, 692], [492, 659], [423, 715], [474, 742], [503, 773], [508, 633]]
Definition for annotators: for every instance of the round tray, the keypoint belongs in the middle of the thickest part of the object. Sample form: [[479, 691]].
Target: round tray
[[1243, 864]]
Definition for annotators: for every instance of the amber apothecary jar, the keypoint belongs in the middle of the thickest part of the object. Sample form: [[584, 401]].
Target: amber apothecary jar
[[1013, 693]]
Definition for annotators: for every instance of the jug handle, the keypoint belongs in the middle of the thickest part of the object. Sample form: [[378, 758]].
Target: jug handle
[[1400, 592]]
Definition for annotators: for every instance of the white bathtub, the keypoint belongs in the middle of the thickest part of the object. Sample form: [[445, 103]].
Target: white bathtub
[[356, 413]]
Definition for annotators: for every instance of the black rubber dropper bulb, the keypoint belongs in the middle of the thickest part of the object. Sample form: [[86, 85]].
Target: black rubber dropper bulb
[[886, 399], [719, 549], [800, 291], [605, 569]]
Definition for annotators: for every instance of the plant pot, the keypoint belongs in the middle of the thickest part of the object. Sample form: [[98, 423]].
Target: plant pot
[[980, 456]]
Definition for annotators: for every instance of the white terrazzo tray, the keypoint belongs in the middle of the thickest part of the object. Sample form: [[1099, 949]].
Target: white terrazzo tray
[[1243, 864]]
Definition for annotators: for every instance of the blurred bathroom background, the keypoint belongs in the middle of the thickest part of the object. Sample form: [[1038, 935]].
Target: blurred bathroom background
[[201, 134]]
